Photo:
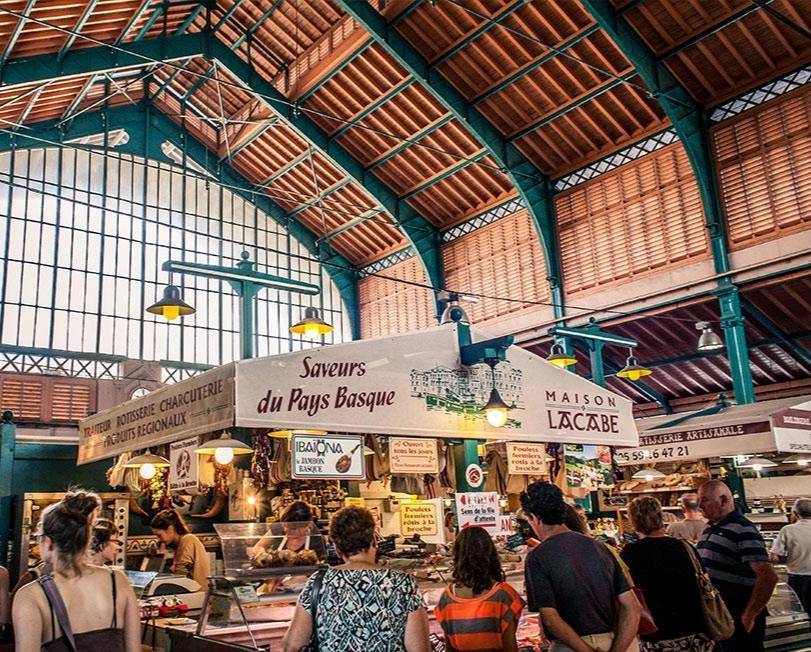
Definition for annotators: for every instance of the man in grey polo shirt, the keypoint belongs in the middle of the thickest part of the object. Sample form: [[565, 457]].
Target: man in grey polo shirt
[[793, 548]]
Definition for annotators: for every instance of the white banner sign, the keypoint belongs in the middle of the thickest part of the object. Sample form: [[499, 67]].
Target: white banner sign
[[480, 508], [526, 459], [413, 455], [183, 465], [330, 457], [423, 517], [738, 439], [792, 429], [199, 405], [413, 385]]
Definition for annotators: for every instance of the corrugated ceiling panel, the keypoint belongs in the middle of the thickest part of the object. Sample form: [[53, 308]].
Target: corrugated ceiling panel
[[388, 307], [644, 216], [502, 259], [764, 167]]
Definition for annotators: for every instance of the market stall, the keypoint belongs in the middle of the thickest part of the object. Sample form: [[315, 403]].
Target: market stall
[[400, 424]]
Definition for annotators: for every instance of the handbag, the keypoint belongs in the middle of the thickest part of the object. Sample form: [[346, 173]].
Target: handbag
[[60, 611], [718, 621], [647, 625], [313, 645]]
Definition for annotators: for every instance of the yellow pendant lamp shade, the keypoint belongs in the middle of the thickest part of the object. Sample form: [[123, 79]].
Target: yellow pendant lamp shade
[[312, 326], [171, 306], [558, 357]]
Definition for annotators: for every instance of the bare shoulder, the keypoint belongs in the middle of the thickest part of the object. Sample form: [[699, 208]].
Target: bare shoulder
[[28, 596]]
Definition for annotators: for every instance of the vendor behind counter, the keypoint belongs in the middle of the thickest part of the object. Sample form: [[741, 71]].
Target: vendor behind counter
[[191, 559], [296, 531]]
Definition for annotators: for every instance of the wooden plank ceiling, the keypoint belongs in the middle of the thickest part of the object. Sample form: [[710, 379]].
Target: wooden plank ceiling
[[542, 72]]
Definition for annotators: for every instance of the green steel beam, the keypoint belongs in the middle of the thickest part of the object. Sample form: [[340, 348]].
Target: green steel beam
[[148, 129], [77, 28], [334, 72], [285, 169], [313, 203], [15, 33], [101, 59], [411, 141], [482, 29], [571, 106], [184, 26], [518, 74], [765, 322], [405, 13], [56, 353], [159, 11], [459, 165], [423, 235], [374, 106], [533, 187], [349, 225], [712, 29], [256, 134], [133, 20], [691, 124]]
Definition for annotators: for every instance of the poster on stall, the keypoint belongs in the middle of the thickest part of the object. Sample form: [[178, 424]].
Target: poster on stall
[[526, 459], [183, 465], [413, 455], [588, 467], [423, 517], [327, 457], [480, 508]]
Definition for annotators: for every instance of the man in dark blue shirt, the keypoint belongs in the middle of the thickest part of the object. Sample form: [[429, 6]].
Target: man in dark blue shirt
[[734, 554]]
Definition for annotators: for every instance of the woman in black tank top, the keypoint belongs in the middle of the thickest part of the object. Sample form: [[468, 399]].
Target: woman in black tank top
[[45, 612]]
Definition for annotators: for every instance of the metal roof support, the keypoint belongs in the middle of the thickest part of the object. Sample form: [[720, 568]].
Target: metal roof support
[[763, 320], [423, 235], [349, 225], [373, 106], [690, 123], [148, 129], [427, 131], [15, 33], [133, 20], [314, 201], [159, 10], [77, 28], [240, 145], [334, 72], [449, 172], [285, 168], [532, 185]]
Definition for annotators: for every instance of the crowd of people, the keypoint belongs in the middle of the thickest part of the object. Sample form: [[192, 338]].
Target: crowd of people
[[588, 595]]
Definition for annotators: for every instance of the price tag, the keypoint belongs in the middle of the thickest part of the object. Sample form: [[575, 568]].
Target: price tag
[[246, 594]]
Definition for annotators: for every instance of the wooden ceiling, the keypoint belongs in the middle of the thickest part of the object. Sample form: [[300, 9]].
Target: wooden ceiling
[[540, 71]]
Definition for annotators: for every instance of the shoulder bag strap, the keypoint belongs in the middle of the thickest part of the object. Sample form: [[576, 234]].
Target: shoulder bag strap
[[114, 623], [314, 596], [693, 555], [57, 604]]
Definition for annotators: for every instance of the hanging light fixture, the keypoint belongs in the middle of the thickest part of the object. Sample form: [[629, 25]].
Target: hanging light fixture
[[648, 475], [147, 464], [453, 313], [171, 306], [558, 357], [799, 460], [757, 464], [708, 340], [632, 369], [224, 448], [496, 411], [312, 325]]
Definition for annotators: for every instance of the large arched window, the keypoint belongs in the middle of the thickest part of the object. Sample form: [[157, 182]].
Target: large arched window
[[83, 235]]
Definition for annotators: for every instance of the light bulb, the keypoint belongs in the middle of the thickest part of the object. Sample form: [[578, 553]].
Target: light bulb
[[496, 417], [634, 375], [802, 462], [648, 478], [224, 455], [147, 471], [312, 331], [757, 467], [171, 312], [252, 500]]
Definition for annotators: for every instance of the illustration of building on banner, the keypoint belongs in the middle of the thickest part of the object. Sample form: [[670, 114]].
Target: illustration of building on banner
[[460, 391]]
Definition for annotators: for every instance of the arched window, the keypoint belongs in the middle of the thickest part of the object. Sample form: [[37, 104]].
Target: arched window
[[83, 235]]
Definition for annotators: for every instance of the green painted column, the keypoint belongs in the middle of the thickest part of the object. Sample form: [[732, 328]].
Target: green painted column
[[597, 363], [467, 452], [732, 324], [7, 443]]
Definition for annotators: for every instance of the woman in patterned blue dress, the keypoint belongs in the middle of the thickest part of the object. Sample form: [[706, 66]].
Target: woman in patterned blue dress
[[361, 606]]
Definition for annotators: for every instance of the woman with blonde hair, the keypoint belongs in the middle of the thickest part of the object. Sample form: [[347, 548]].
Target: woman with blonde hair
[[661, 566], [55, 613]]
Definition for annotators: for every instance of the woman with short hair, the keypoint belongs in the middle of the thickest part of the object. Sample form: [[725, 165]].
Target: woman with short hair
[[662, 567], [104, 543], [359, 605], [479, 611], [191, 558], [47, 612]]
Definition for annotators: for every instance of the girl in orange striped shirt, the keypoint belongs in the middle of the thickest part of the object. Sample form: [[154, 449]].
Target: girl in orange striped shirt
[[479, 611]]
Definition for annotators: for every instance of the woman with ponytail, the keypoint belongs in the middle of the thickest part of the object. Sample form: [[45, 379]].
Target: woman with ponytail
[[76, 606], [191, 558]]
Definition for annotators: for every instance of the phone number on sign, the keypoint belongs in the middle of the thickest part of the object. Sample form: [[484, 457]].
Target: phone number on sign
[[655, 454]]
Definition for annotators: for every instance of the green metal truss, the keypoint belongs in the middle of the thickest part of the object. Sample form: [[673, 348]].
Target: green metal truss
[[533, 186], [422, 235], [148, 129], [691, 124]]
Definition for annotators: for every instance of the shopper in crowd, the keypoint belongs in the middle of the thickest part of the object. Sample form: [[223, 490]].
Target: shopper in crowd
[[104, 543], [576, 520], [793, 548], [479, 611], [295, 531], [692, 527], [450, 526], [5, 603], [191, 558], [662, 567], [574, 582], [100, 608], [735, 557], [359, 605]]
